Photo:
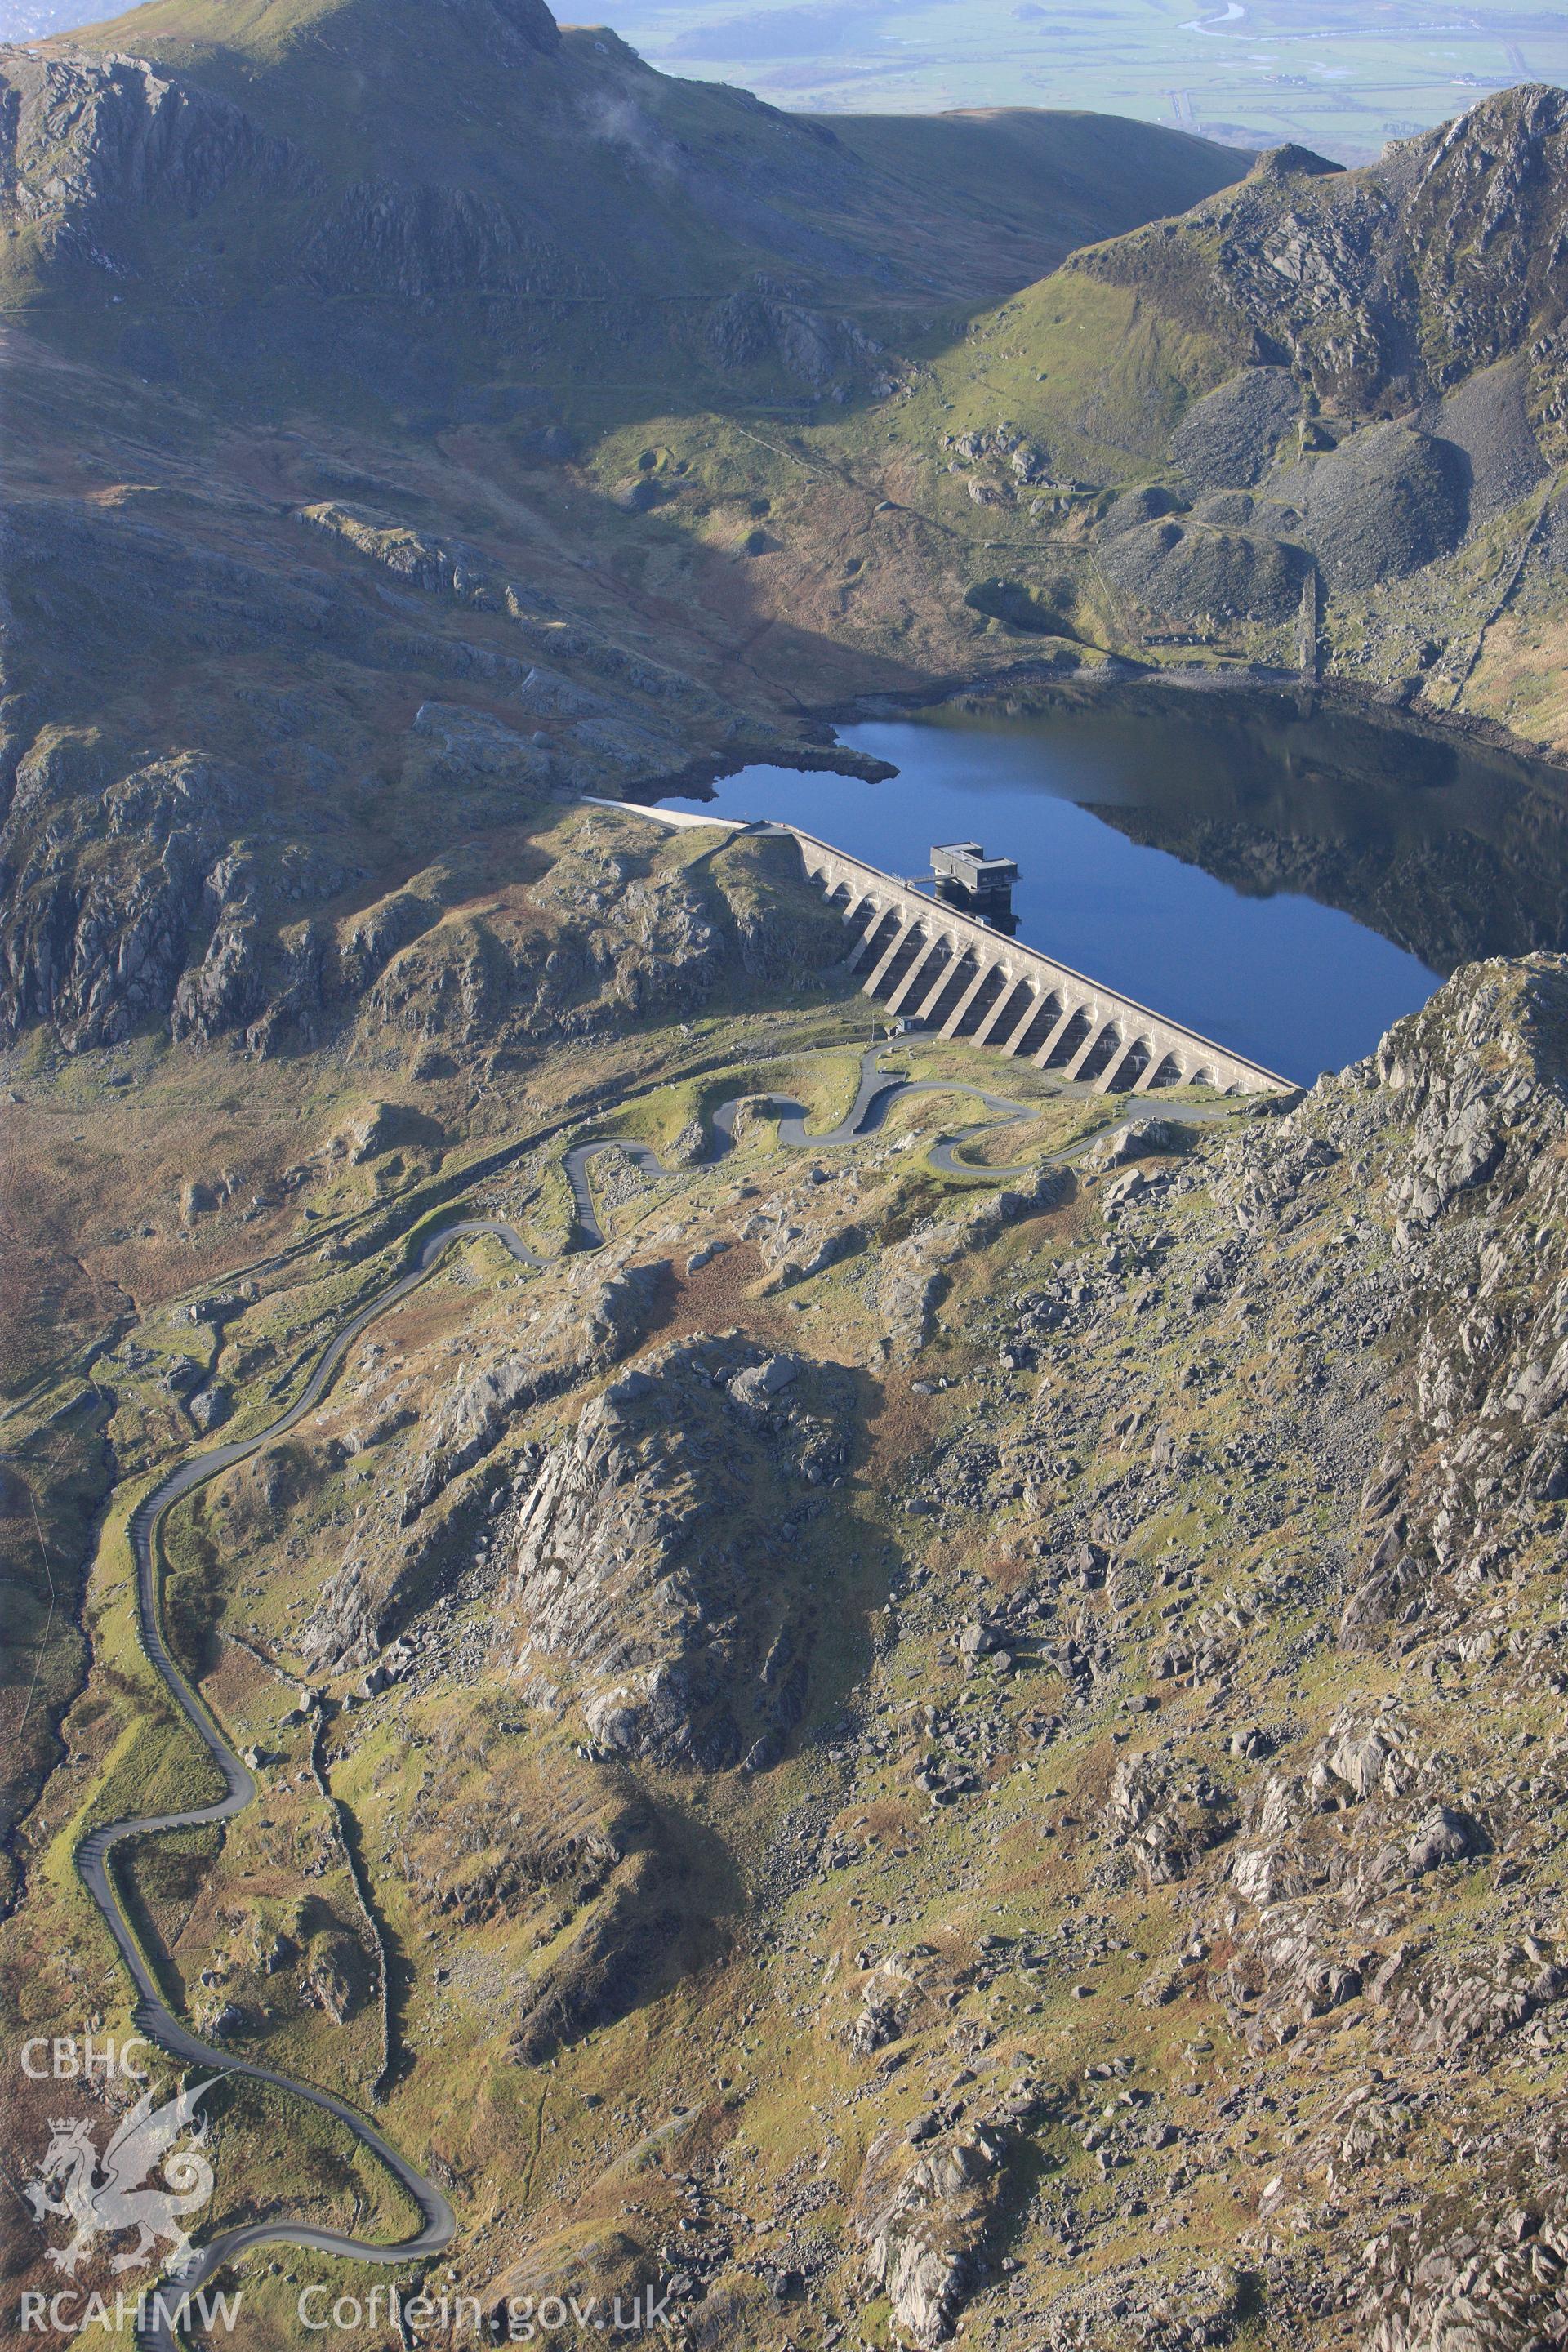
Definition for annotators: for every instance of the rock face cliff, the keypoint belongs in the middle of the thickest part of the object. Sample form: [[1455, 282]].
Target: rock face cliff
[[166, 897], [1389, 285], [648, 1567], [1325, 432], [89, 147]]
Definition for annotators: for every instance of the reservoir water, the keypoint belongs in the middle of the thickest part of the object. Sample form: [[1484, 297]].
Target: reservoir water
[[1283, 874]]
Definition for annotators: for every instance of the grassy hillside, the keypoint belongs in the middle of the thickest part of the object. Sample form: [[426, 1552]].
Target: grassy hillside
[[1314, 424], [351, 197], [1028, 174]]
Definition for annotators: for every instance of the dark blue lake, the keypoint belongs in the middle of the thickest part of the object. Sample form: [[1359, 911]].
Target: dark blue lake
[[1283, 877]]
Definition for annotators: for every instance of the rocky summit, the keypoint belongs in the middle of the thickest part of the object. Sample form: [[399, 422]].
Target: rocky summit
[[672, 1649]]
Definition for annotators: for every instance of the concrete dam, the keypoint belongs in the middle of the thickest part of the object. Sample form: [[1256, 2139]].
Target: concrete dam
[[931, 963]]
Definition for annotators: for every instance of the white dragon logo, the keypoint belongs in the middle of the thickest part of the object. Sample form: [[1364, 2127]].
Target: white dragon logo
[[103, 2201]]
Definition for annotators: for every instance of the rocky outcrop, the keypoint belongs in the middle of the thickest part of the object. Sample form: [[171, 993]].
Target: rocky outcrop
[[159, 891], [425, 1522], [383, 1125], [467, 745], [618, 1910], [448, 567], [1394, 280], [601, 938], [647, 1582], [85, 144], [1488, 2270], [922, 2209], [913, 1271], [1168, 1820], [759, 326], [441, 566], [514, 27], [97, 949], [638, 1936]]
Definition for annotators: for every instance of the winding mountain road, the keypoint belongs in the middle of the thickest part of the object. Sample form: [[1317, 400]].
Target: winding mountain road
[[94, 1855], [876, 1093], [874, 1098]]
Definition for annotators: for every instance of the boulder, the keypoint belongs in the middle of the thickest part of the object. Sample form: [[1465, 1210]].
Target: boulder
[[1444, 1835], [210, 1406]]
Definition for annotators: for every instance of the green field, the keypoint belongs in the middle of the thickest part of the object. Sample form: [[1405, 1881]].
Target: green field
[[1336, 75]]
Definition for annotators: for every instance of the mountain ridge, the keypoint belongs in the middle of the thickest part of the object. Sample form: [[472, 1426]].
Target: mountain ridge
[[473, 155], [1440, 253], [296, 409], [1314, 426]]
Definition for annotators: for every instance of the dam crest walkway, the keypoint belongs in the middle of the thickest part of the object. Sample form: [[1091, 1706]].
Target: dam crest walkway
[[934, 965]]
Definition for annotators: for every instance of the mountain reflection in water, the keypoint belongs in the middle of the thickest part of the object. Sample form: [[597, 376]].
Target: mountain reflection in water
[[1280, 872], [1450, 850]]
